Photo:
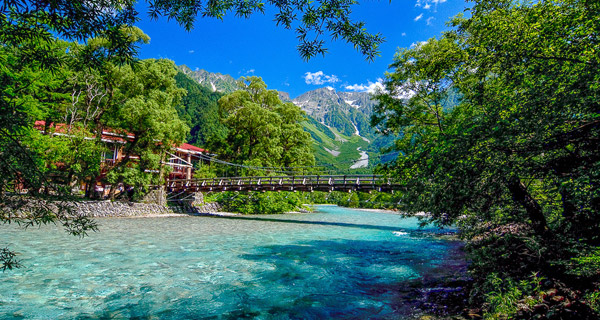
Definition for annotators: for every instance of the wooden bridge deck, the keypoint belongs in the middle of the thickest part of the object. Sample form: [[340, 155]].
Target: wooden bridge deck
[[284, 183]]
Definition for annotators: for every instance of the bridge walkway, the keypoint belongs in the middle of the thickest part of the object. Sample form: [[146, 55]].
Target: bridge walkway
[[327, 183]]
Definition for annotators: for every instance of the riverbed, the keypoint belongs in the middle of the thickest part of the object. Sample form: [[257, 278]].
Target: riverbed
[[335, 263]]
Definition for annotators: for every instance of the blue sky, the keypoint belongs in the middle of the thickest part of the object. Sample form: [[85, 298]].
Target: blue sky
[[256, 46]]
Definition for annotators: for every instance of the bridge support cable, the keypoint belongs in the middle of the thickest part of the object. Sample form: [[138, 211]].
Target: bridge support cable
[[298, 170], [282, 170]]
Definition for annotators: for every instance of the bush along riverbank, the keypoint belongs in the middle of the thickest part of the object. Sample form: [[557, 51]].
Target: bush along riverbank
[[259, 202], [521, 275]]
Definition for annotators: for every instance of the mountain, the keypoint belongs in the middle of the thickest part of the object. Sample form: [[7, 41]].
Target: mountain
[[348, 112], [215, 82], [338, 122]]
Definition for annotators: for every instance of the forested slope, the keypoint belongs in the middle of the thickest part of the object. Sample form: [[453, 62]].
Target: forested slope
[[199, 110]]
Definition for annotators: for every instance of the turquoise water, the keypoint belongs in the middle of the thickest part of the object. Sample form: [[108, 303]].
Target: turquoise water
[[336, 263]]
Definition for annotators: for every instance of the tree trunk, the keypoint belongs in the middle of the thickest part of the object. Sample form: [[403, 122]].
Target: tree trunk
[[534, 210], [569, 208], [113, 189], [89, 188]]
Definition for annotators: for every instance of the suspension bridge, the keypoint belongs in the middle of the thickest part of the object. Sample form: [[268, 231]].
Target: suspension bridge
[[327, 183]]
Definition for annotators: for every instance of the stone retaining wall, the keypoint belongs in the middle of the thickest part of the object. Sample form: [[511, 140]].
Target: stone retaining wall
[[156, 196], [118, 209], [132, 209], [207, 208], [107, 208]]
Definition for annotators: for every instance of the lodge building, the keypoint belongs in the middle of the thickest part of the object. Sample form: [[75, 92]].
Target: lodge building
[[182, 158]]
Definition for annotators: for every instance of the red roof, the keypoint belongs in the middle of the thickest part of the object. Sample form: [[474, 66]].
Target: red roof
[[189, 147], [40, 124]]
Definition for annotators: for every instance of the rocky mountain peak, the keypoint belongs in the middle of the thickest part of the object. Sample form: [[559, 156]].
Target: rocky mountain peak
[[322, 100], [284, 96], [215, 82]]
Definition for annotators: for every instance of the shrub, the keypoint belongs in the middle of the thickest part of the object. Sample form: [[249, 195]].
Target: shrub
[[258, 202], [508, 296]]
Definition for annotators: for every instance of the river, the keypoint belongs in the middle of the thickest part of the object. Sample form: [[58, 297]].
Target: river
[[335, 263]]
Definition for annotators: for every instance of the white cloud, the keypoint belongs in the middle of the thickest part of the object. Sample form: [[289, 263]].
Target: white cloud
[[191, 51], [370, 87], [430, 21], [373, 87], [246, 73], [417, 18], [427, 4], [416, 44], [357, 87], [319, 78], [404, 93], [404, 34]]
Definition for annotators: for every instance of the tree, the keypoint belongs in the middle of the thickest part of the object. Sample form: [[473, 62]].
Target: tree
[[262, 131], [295, 142], [144, 108], [518, 151], [33, 28]]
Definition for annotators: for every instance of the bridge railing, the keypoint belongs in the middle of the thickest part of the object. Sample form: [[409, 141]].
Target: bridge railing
[[279, 182]]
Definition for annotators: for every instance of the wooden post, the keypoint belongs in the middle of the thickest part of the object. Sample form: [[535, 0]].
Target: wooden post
[[188, 174]]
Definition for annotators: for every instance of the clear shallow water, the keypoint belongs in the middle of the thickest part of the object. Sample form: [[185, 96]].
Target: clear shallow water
[[337, 263]]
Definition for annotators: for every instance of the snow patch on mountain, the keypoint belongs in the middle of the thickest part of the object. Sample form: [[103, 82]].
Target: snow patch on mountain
[[351, 103], [363, 162], [356, 132], [334, 153]]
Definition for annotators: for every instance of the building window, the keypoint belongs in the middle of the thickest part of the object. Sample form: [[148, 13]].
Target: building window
[[110, 154]]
